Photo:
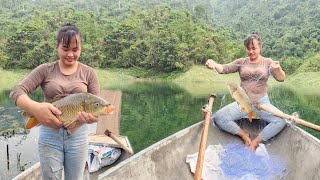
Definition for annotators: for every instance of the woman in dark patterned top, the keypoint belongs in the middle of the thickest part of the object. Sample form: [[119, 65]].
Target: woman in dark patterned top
[[254, 72], [59, 150]]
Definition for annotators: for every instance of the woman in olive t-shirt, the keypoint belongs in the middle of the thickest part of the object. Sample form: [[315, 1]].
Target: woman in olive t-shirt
[[254, 72], [58, 149]]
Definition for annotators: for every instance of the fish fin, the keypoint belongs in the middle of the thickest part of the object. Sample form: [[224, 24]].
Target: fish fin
[[254, 114], [57, 97], [70, 125], [250, 116], [73, 127], [32, 122], [26, 114]]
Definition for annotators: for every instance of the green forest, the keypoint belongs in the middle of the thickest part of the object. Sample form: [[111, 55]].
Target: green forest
[[164, 36]]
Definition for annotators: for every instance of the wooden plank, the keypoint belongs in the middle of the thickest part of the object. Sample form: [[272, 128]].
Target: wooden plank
[[112, 121], [108, 141]]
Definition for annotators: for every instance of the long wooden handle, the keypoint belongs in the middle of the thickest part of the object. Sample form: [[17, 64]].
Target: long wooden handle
[[117, 140], [286, 116], [202, 147]]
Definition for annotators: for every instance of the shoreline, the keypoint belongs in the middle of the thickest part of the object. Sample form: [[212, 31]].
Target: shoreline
[[307, 82]]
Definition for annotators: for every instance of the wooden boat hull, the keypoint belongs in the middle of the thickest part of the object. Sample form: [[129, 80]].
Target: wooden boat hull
[[34, 172], [167, 158]]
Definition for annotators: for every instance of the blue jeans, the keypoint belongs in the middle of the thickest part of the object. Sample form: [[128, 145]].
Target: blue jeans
[[226, 116], [60, 151]]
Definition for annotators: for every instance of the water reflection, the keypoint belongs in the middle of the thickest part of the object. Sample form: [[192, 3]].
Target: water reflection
[[10, 115], [307, 106], [150, 112], [22, 151], [153, 111]]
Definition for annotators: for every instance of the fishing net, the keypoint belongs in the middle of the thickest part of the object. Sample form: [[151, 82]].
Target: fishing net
[[238, 162]]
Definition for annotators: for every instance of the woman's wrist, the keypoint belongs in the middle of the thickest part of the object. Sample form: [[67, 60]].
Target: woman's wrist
[[279, 73], [218, 68]]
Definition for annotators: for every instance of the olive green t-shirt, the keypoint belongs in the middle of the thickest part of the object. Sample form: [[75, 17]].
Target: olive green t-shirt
[[54, 83]]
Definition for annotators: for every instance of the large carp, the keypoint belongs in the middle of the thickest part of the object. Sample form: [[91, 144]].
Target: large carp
[[70, 105], [242, 99]]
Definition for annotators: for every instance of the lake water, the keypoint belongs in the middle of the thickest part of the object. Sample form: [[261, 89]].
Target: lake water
[[150, 112]]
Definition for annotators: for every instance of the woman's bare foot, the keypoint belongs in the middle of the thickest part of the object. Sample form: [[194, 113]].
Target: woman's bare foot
[[254, 143], [253, 146], [245, 137]]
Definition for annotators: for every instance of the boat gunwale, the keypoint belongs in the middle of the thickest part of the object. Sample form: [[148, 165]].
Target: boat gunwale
[[150, 149], [24, 174], [304, 133]]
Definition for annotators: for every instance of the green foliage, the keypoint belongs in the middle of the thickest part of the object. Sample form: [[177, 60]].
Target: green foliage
[[3, 59], [289, 28], [312, 64], [29, 47], [164, 40], [163, 36], [291, 64]]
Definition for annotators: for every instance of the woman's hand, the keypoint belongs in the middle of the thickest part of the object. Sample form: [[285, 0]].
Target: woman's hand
[[213, 65], [210, 64], [280, 75], [275, 65], [46, 114], [87, 118]]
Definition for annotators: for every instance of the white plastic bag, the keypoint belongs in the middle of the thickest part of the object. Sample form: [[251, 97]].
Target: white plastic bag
[[100, 156]]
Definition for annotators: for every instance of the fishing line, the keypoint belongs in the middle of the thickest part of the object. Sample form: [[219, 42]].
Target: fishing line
[[267, 71], [222, 99]]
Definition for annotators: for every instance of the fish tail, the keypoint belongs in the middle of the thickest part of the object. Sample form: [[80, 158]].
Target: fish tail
[[254, 114], [250, 116], [32, 122]]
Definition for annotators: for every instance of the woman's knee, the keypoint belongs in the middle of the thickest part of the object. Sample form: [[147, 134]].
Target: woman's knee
[[219, 119], [280, 122], [283, 124]]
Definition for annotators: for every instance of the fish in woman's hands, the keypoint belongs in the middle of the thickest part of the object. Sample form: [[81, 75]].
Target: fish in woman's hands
[[70, 105]]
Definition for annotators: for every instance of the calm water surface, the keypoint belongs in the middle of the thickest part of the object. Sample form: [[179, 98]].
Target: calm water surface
[[150, 112]]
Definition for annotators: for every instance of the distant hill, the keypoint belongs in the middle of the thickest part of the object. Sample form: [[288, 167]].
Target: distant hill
[[289, 27], [168, 35]]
